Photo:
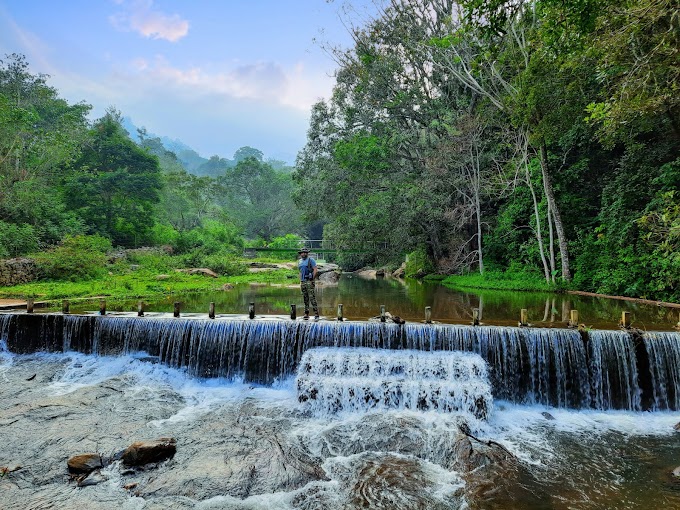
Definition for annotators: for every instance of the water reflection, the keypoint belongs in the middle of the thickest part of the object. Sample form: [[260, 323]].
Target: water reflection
[[408, 298]]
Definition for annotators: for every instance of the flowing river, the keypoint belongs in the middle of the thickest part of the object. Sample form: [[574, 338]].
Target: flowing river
[[572, 422]]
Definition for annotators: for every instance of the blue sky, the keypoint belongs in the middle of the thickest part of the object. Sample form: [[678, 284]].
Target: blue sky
[[217, 75]]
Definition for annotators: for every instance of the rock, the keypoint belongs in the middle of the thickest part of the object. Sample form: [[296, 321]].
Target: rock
[[227, 286], [92, 479], [130, 486], [199, 270], [676, 472], [380, 273], [85, 463], [547, 415], [145, 452], [366, 273], [329, 277], [263, 265], [162, 277], [134, 267], [401, 272], [677, 426]]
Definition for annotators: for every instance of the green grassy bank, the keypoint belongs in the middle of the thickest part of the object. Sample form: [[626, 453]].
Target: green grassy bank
[[500, 280]]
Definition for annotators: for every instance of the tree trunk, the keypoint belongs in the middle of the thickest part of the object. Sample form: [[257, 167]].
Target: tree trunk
[[561, 237], [551, 237], [539, 236], [479, 236]]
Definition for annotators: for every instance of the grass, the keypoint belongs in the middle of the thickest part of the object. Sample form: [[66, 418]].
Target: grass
[[143, 283], [500, 280]]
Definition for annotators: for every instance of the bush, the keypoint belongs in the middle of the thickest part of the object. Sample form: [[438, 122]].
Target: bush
[[418, 263], [221, 263], [212, 237], [17, 239], [78, 258]]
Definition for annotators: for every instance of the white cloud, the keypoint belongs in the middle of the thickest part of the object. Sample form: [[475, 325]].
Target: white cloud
[[141, 17], [267, 82]]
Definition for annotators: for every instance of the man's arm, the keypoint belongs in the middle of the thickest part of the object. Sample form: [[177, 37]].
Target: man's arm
[[315, 270]]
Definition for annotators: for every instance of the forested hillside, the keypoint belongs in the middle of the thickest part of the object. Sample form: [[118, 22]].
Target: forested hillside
[[63, 176], [527, 137]]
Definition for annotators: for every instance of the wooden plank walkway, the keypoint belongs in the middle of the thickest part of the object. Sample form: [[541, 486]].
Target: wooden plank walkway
[[13, 304]]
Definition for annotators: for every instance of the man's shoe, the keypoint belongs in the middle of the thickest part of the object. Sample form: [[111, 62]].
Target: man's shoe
[[316, 317], [306, 316]]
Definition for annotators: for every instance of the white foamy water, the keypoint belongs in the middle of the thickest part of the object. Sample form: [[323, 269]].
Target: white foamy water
[[361, 379], [396, 459]]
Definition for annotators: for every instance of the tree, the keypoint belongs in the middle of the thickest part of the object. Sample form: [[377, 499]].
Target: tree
[[248, 152], [260, 199], [116, 184]]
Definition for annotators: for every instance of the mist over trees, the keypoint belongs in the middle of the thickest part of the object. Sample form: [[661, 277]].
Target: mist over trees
[[532, 137], [62, 175]]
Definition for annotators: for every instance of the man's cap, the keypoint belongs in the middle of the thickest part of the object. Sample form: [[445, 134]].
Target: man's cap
[[303, 250]]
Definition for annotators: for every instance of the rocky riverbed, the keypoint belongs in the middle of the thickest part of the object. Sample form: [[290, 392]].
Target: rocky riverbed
[[246, 447]]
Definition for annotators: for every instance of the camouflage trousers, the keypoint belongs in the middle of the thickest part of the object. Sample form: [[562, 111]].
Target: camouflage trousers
[[308, 294]]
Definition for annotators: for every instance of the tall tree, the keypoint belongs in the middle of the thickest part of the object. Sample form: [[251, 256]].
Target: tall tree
[[116, 185]]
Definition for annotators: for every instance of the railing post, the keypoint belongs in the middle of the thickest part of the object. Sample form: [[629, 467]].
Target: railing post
[[340, 311], [140, 309], [211, 310], [573, 319], [625, 320], [475, 316], [251, 311], [65, 306], [29, 305], [428, 314], [524, 317], [102, 307], [293, 312], [382, 313], [177, 308]]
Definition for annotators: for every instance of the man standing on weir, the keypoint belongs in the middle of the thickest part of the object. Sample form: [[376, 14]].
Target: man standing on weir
[[308, 272]]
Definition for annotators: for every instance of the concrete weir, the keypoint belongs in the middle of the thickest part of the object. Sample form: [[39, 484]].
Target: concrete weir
[[561, 367]]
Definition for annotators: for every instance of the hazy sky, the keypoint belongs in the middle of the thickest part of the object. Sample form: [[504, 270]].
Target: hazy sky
[[216, 74]]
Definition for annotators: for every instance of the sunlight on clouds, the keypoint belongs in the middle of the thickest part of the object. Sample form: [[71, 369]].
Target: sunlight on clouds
[[139, 16], [263, 81]]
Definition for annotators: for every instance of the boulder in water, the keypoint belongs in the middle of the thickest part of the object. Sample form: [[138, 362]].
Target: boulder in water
[[547, 416], [146, 452], [676, 472], [677, 426], [85, 463]]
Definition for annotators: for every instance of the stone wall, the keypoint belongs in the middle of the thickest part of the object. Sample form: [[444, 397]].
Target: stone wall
[[17, 271]]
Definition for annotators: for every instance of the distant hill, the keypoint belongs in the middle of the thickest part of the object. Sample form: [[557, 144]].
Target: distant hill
[[192, 161]]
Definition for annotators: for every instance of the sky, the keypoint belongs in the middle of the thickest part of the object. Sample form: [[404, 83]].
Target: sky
[[216, 74]]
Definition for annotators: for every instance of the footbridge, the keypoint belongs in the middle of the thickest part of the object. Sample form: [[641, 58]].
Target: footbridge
[[319, 248]]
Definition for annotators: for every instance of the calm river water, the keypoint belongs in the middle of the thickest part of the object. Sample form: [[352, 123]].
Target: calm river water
[[361, 299]]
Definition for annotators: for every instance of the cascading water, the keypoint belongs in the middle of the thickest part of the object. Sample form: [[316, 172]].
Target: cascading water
[[559, 367], [663, 350], [334, 379], [613, 371]]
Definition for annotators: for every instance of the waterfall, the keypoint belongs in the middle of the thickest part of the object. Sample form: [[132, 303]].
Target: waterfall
[[613, 369], [559, 367], [334, 379], [663, 350]]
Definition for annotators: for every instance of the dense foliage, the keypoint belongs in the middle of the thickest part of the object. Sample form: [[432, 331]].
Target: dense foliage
[[68, 183], [538, 137]]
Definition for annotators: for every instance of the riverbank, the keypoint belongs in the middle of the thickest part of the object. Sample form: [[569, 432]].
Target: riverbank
[[139, 284], [498, 280]]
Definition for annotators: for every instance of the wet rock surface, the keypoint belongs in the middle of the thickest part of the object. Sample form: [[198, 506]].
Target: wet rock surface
[[241, 447], [225, 454]]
